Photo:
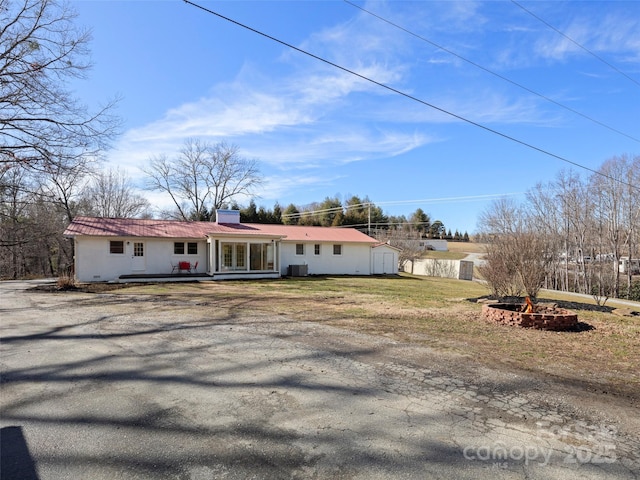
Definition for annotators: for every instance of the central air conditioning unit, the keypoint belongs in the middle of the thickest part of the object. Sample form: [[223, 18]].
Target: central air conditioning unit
[[298, 270]]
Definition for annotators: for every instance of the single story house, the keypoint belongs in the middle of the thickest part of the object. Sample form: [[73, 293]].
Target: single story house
[[121, 249]]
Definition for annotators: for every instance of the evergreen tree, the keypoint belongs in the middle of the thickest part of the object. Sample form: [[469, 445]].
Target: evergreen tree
[[437, 229], [277, 213], [264, 216], [420, 221], [249, 214], [331, 212], [291, 210]]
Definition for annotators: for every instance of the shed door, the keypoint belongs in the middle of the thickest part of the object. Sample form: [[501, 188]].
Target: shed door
[[377, 264], [388, 263], [138, 263], [383, 263]]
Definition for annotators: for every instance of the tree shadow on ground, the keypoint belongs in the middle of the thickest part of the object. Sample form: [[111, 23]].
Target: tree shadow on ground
[[150, 394], [164, 412]]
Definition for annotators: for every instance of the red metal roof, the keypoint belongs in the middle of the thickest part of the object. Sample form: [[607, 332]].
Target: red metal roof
[[301, 233], [135, 227]]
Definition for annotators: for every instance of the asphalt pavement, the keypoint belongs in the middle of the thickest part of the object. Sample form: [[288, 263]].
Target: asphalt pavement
[[102, 386]]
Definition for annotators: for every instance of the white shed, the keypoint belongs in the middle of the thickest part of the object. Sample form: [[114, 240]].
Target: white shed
[[384, 259]]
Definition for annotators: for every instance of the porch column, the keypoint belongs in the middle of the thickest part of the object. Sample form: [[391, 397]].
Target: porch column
[[218, 256], [210, 255]]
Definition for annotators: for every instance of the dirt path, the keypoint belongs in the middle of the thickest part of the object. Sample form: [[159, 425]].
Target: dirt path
[[114, 386]]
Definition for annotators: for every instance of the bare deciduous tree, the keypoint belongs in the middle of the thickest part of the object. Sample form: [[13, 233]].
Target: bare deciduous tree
[[581, 227], [203, 178], [562, 210], [41, 124], [499, 272], [499, 224], [49, 141], [111, 194], [407, 241], [617, 202], [31, 227], [13, 227], [631, 206], [518, 255]]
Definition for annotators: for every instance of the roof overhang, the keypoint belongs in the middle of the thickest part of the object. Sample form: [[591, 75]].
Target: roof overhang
[[245, 235], [377, 245]]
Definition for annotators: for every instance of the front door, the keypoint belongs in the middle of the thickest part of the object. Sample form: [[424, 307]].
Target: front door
[[138, 263]]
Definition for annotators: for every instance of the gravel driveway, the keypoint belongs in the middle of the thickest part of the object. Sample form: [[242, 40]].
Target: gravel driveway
[[116, 386]]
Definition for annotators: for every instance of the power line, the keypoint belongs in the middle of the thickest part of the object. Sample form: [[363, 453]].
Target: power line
[[315, 212], [385, 224], [466, 198], [411, 97], [613, 67], [326, 210], [502, 77]]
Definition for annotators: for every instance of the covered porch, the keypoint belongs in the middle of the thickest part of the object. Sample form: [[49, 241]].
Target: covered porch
[[164, 277], [233, 256]]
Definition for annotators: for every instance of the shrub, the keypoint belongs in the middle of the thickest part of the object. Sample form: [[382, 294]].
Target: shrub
[[500, 275], [66, 282], [633, 294]]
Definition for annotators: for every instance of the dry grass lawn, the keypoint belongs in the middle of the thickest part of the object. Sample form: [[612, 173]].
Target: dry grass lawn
[[442, 314], [466, 247]]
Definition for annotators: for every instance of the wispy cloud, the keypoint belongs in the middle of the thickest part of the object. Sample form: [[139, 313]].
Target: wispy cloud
[[314, 117], [615, 34], [232, 111], [306, 106], [281, 186]]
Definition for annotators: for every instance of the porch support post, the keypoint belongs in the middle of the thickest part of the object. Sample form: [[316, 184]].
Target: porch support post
[[219, 257]]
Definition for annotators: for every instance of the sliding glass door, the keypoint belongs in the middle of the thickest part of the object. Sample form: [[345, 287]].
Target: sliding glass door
[[261, 256]]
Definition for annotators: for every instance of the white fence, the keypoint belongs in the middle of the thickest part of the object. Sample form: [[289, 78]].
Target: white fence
[[433, 267]]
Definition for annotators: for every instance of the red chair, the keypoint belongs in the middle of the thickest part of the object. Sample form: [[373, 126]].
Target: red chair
[[194, 267], [184, 266]]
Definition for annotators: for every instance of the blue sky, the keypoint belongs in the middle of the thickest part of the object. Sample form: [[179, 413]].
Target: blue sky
[[318, 131]]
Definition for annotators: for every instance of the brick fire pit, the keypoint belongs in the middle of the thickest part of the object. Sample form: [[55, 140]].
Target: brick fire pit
[[545, 318]]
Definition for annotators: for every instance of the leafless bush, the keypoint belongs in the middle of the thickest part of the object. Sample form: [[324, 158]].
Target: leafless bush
[[602, 281], [407, 242], [440, 268], [518, 255], [66, 282], [500, 275]]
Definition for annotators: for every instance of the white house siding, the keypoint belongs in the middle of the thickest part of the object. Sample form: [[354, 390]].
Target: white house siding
[[94, 263], [162, 256], [355, 258]]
